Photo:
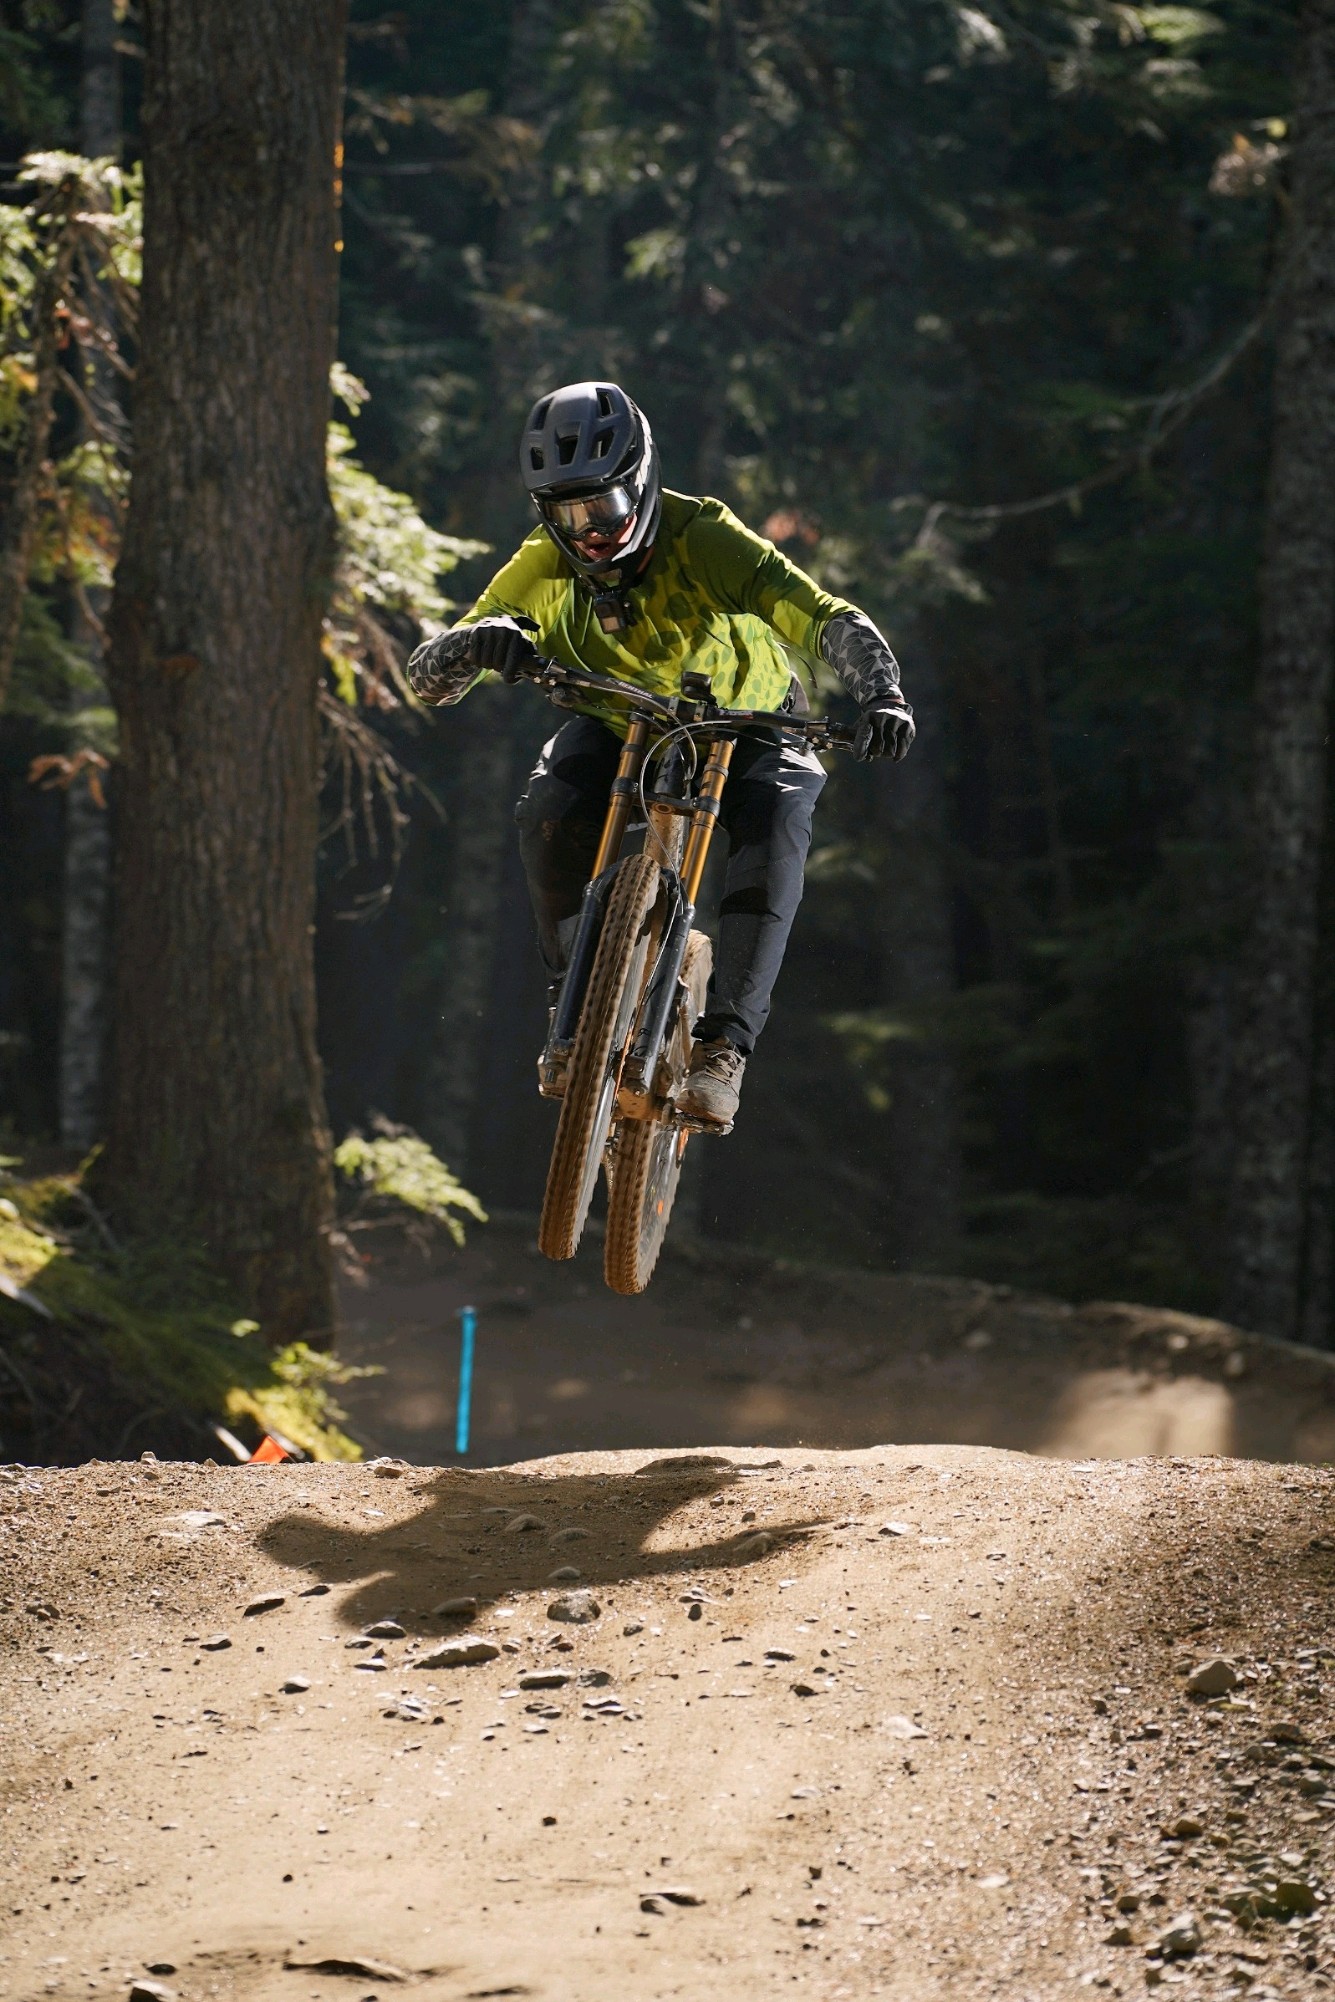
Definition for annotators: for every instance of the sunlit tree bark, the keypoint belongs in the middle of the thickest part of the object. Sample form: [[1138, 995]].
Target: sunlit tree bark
[[217, 1125]]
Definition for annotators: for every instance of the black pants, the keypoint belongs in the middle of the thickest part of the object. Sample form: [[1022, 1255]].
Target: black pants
[[766, 814]]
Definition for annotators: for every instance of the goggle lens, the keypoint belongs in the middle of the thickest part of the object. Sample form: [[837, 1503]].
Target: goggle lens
[[600, 514]]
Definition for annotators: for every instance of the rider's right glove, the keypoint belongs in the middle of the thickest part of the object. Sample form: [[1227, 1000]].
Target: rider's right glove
[[443, 669]]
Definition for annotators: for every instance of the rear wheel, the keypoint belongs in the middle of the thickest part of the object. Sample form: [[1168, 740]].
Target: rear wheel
[[595, 1061], [647, 1165]]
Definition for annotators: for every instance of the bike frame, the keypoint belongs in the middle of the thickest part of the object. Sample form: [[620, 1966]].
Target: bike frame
[[680, 822]]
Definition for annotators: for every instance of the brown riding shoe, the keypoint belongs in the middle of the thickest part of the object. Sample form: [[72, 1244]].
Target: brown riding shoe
[[713, 1085]]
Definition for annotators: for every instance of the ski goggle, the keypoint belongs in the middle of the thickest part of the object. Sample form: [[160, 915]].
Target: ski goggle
[[594, 514]]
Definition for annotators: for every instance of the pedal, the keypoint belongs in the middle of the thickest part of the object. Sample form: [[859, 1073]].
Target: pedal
[[684, 1124], [552, 1067]]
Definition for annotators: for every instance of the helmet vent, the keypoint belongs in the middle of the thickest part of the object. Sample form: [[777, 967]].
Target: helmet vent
[[602, 445], [539, 416], [566, 448], [536, 459], [604, 404]]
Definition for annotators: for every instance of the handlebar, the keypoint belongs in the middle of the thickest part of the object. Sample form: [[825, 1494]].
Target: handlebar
[[554, 678]]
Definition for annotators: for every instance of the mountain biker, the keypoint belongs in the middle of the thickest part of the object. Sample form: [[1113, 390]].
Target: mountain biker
[[625, 578]]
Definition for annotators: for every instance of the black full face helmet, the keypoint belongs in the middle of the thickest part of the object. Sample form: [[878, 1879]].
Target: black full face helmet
[[590, 464]]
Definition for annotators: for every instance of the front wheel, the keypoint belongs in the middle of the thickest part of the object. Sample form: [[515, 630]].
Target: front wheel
[[595, 1061], [646, 1167]]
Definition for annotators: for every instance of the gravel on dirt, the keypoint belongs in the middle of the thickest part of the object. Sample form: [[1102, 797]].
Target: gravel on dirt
[[957, 1764]]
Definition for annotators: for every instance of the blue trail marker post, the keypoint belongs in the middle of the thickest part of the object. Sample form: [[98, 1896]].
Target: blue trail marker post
[[463, 1411]]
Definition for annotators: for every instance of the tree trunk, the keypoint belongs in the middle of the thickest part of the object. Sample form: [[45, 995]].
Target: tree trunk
[[85, 908], [99, 83], [217, 1124], [483, 824], [1275, 1054], [483, 812], [918, 975]]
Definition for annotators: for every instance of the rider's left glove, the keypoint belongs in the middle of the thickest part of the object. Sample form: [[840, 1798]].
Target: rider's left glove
[[443, 669], [884, 731]]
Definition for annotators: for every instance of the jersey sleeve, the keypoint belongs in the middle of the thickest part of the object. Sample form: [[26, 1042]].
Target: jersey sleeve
[[743, 572], [532, 585]]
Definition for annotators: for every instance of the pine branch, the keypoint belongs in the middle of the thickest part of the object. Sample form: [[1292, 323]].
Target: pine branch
[[1168, 413]]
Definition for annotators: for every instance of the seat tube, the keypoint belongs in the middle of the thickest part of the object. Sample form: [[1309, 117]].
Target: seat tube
[[704, 819], [624, 788]]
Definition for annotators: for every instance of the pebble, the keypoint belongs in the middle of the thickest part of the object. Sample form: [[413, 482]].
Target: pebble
[[448, 1608], [216, 1642], [576, 1609], [675, 1894], [313, 1592], [1181, 1935], [408, 1710], [566, 1574], [1185, 1827], [632, 1627], [385, 1630], [267, 1602], [595, 1678], [754, 1546], [201, 1518], [569, 1535], [518, 1524], [339, 1962], [686, 1463], [296, 1685], [803, 1689], [779, 1654], [894, 1529], [1213, 1678], [464, 1652], [1292, 1894], [546, 1678], [144, 1990], [1121, 1935], [902, 1727]]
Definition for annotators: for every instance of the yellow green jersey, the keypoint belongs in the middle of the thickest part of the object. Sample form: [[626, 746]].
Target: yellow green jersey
[[715, 598]]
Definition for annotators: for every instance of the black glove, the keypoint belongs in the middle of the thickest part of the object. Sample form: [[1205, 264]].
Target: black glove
[[861, 657], [885, 730], [501, 646], [443, 669]]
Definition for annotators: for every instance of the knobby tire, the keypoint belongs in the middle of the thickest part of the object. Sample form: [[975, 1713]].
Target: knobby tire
[[647, 1164], [595, 1061]]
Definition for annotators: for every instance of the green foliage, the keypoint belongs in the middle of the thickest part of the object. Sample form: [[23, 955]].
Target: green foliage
[[390, 564], [400, 1169], [156, 1322]]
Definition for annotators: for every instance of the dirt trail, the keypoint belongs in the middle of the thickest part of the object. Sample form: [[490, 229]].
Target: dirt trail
[[903, 1722], [730, 1346]]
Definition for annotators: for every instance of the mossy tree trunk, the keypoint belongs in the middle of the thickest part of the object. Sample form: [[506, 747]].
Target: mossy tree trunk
[[217, 1125], [1276, 1048], [85, 938]]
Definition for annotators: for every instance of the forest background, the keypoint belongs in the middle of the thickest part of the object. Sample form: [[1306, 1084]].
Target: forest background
[[974, 311]]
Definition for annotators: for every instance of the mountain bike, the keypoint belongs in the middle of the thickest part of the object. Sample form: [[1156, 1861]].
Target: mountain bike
[[619, 1041]]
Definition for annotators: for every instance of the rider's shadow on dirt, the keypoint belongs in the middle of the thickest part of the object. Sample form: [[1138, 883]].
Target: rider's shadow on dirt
[[487, 1535]]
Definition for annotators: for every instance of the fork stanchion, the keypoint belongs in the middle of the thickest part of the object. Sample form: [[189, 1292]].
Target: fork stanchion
[[463, 1410]]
